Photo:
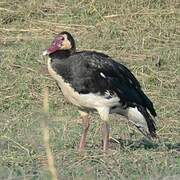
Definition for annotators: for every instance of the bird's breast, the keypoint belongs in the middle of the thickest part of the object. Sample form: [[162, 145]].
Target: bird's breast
[[70, 94]]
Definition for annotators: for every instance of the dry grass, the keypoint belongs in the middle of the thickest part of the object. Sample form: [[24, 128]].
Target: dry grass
[[140, 34], [46, 137]]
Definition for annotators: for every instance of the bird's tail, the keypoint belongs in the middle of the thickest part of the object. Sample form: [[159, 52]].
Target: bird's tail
[[143, 120]]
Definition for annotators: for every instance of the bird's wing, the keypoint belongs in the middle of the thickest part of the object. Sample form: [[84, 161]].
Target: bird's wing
[[110, 75], [128, 87], [91, 72]]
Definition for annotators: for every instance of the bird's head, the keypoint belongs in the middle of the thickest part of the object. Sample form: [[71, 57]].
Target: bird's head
[[63, 41]]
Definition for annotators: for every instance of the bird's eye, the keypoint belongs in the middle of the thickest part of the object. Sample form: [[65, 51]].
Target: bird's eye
[[62, 38]]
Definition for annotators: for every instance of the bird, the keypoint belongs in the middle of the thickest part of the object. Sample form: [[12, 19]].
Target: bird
[[93, 81]]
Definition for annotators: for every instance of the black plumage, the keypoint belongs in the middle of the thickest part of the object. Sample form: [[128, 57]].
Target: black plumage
[[90, 72], [82, 70]]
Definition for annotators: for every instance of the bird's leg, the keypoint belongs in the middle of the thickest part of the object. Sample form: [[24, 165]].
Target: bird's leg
[[85, 124], [104, 114], [105, 135]]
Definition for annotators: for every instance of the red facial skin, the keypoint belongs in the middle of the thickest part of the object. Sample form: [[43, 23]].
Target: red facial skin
[[56, 44]]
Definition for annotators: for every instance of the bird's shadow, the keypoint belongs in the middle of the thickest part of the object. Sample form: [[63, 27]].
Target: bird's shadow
[[145, 144]]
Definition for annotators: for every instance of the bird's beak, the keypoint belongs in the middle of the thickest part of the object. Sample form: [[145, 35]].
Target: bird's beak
[[54, 47], [45, 52]]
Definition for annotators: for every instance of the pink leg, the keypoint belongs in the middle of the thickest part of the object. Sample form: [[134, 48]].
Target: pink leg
[[85, 123], [105, 135]]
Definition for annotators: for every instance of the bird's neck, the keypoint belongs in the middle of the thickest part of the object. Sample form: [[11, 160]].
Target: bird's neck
[[62, 54]]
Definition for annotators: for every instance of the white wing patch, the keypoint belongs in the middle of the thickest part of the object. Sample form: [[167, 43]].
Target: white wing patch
[[102, 75], [108, 95], [137, 118]]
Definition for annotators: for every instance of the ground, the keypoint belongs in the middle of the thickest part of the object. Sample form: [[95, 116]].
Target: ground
[[143, 35]]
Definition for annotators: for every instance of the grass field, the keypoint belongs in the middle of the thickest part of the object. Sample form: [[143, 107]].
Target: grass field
[[141, 35]]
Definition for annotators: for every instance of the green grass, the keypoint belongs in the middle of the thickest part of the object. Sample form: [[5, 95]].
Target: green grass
[[136, 33]]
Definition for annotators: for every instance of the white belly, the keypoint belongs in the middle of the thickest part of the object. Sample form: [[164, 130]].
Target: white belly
[[93, 101]]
